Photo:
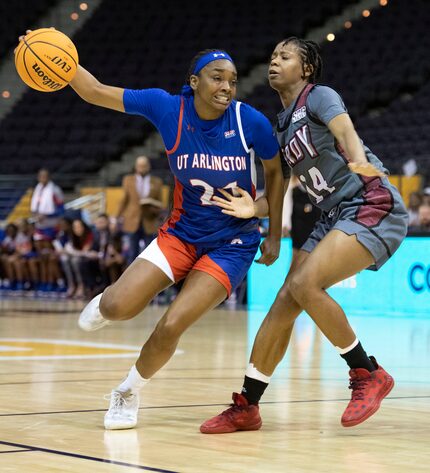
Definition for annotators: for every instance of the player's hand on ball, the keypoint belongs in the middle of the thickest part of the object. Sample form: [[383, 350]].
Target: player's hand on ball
[[365, 169], [269, 250], [46, 59], [241, 206], [21, 38], [27, 32]]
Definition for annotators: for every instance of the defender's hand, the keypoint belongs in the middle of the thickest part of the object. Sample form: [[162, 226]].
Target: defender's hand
[[240, 207], [365, 169]]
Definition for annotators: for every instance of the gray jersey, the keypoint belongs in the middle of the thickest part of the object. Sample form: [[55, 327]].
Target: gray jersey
[[311, 150]]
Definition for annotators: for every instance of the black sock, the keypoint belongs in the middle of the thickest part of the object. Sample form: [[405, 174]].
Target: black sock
[[357, 358], [253, 389]]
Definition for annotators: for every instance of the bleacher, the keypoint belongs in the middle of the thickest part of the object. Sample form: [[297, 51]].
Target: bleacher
[[372, 65], [153, 50], [17, 16]]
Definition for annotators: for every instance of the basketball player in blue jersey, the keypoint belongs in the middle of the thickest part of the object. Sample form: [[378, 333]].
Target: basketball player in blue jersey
[[363, 223], [211, 140]]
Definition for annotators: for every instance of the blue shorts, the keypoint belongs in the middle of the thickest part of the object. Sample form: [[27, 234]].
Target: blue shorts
[[228, 262], [376, 216]]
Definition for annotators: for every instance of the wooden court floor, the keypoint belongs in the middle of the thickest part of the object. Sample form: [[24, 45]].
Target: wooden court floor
[[53, 378]]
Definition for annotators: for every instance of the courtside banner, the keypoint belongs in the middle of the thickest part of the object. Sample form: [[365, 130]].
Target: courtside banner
[[400, 287]]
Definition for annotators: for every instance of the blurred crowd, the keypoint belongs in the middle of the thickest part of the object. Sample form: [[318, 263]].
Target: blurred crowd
[[56, 254], [80, 261], [419, 213], [59, 254]]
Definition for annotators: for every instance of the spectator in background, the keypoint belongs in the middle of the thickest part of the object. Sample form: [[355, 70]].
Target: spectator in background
[[423, 226], [77, 250], [137, 211], [7, 251], [426, 196], [114, 260], [101, 233], [47, 206], [415, 200], [424, 217], [26, 262], [63, 237], [92, 267]]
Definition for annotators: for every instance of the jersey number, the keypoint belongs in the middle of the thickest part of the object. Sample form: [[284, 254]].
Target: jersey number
[[206, 198], [318, 183]]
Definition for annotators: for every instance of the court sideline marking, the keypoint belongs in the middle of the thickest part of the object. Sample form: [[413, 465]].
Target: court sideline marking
[[82, 457], [199, 405]]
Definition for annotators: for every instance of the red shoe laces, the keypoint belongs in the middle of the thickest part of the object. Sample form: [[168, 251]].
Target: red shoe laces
[[229, 413], [358, 386]]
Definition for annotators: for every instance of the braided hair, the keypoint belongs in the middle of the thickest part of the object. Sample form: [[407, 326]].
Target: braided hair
[[310, 56]]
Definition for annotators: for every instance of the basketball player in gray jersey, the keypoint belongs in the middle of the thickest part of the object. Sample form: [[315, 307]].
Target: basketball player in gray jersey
[[313, 153], [363, 223]]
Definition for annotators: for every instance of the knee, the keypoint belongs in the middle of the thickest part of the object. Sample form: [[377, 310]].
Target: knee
[[299, 287], [114, 308], [285, 309], [167, 334], [284, 295]]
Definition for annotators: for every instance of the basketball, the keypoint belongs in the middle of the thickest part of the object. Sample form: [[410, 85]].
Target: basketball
[[46, 60]]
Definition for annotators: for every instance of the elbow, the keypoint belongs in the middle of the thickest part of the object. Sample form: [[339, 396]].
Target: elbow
[[86, 95], [92, 93]]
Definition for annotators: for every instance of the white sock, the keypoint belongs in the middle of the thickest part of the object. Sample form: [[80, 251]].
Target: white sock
[[252, 372], [133, 382], [343, 351]]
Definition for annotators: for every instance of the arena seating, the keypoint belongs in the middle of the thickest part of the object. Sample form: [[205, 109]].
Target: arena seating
[[401, 132], [17, 16], [371, 65], [132, 45]]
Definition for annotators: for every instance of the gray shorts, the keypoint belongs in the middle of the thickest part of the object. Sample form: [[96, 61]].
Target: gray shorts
[[376, 216]]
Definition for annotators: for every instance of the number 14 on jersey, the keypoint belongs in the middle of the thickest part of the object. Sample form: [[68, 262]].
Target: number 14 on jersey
[[319, 184]]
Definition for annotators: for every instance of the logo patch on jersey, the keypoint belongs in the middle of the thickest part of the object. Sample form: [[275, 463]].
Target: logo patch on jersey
[[229, 134], [299, 114], [236, 241]]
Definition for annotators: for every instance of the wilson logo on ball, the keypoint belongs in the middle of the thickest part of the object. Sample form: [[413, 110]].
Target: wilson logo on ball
[[46, 80], [46, 60]]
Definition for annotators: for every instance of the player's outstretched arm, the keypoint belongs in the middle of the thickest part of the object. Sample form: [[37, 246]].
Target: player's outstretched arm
[[96, 93], [343, 129]]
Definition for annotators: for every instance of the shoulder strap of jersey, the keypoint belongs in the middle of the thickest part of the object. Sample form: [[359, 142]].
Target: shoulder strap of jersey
[[300, 102], [178, 135], [301, 99], [239, 125], [311, 117]]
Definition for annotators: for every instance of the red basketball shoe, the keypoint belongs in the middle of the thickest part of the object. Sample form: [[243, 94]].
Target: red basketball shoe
[[368, 390], [239, 416]]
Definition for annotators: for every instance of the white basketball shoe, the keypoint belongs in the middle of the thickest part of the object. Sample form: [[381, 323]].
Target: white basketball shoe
[[123, 410], [90, 318]]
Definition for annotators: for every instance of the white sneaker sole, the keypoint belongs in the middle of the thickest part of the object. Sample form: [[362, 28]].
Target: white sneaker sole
[[119, 425]]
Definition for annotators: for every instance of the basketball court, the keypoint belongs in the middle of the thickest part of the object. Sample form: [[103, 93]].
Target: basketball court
[[54, 378]]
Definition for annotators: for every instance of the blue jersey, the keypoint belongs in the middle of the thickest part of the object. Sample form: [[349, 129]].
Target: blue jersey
[[204, 156]]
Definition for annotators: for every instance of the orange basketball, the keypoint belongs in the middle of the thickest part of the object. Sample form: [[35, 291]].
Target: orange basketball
[[46, 60]]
